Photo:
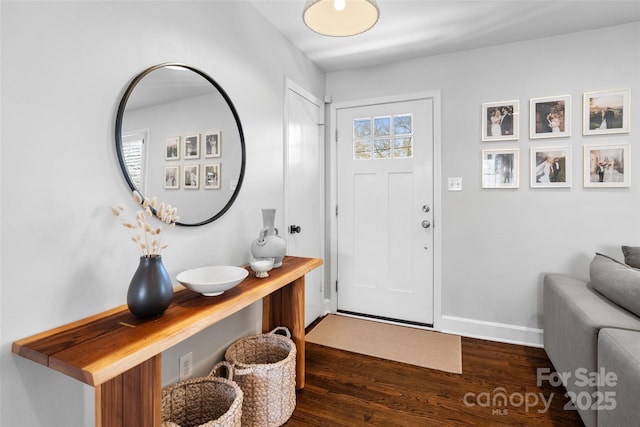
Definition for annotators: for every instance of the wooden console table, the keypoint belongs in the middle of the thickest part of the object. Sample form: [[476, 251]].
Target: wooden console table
[[120, 354]]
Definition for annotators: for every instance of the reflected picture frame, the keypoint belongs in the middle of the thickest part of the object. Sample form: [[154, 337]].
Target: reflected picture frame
[[606, 112], [606, 166], [172, 148], [191, 145], [171, 177], [211, 178], [501, 168], [191, 176], [212, 141], [550, 117], [551, 167], [500, 121]]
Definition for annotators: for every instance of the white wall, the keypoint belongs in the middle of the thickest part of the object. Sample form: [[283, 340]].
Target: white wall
[[65, 66], [497, 244]]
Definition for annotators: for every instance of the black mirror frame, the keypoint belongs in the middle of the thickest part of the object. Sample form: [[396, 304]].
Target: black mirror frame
[[118, 134]]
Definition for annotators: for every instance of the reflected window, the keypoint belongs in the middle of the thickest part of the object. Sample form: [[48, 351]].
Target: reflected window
[[134, 150]]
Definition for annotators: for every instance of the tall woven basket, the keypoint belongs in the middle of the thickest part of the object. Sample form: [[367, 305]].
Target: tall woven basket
[[265, 370], [210, 401]]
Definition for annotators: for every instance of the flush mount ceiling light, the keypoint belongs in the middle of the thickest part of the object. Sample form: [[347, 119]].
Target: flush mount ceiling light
[[340, 18]]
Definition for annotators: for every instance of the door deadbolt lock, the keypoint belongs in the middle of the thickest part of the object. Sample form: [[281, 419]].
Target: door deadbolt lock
[[425, 208], [426, 224]]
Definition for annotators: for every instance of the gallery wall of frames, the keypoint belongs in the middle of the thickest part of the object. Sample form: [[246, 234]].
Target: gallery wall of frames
[[187, 165], [606, 161]]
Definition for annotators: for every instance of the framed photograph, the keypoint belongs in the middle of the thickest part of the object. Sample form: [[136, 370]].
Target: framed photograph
[[191, 146], [500, 121], [550, 167], [171, 177], [172, 147], [191, 176], [211, 176], [212, 143], [500, 168], [607, 165], [605, 112], [550, 117]]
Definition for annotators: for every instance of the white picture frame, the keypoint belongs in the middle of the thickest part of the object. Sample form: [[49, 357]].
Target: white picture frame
[[550, 117], [191, 176], [500, 121], [501, 168], [172, 177], [550, 167], [191, 146], [212, 141], [172, 148], [606, 112], [607, 165], [211, 176]]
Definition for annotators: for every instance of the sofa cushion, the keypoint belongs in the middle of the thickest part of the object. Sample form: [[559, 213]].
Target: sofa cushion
[[631, 256], [616, 281]]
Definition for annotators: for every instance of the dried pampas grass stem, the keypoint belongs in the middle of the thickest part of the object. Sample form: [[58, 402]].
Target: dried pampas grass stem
[[149, 239]]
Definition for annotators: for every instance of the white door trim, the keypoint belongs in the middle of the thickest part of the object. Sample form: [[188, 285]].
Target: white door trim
[[437, 193]]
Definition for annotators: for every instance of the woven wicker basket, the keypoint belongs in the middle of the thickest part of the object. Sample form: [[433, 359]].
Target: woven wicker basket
[[209, 401], [265, 370]]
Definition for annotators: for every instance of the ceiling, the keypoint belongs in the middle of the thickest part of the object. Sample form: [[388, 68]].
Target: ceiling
[[413, 28]]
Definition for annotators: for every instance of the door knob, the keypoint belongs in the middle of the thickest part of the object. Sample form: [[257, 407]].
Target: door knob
[[293, 229], [426, 224]]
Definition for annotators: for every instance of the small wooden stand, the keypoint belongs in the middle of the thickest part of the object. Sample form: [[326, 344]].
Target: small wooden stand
[[120, 354]]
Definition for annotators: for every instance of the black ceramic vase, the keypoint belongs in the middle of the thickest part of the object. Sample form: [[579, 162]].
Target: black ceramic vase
[[150, 291]]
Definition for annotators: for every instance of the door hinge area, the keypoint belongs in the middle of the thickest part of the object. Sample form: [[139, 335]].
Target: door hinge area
[[336, 135], [336, 210], [336, 286]]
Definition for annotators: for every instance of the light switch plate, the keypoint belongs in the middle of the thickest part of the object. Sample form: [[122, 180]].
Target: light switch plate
[[455, 183]]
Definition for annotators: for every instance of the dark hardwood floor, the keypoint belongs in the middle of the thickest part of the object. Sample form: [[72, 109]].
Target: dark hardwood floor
[[348, 389]]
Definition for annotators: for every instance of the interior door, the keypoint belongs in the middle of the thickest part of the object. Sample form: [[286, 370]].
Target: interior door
[[304, 189], [385, 213]]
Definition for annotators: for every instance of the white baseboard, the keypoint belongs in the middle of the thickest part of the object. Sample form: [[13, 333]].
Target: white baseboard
[[327, 307], [491, 331]]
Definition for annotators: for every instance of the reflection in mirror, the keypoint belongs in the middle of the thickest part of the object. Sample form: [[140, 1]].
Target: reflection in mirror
[[179, 137]]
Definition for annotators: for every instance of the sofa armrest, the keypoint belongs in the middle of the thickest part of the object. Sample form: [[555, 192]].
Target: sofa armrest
[[573, 314], [619, 377]]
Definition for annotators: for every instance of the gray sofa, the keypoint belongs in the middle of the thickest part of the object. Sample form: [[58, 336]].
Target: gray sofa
[[592, 337]]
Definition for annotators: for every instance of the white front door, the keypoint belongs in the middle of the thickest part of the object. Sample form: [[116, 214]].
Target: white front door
[[385, 210], [304, 189]]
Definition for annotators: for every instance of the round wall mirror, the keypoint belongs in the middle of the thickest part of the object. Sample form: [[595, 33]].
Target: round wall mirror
[[179, 138]]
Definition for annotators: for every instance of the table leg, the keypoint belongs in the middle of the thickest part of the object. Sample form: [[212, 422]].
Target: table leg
[[132, 399], [285, 307]]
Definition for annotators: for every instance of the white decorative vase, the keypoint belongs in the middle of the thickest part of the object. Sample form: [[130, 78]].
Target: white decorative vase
[[269, 244]]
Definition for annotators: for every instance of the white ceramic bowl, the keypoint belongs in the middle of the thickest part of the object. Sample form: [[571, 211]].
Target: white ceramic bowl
[[213, 280], [261, 266]]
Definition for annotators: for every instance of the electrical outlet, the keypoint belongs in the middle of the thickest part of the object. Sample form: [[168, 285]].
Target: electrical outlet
[[186, 366]]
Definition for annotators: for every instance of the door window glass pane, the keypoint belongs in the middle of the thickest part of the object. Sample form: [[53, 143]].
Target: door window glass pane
[[403, 125], [373, 136], [362, 150], [382, 148], [403, 147], [362, 128], [382, 126]]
